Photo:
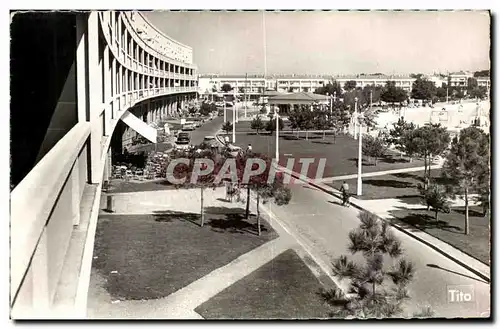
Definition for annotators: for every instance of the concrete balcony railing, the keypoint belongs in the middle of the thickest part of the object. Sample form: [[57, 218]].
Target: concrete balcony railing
[[128, 60]]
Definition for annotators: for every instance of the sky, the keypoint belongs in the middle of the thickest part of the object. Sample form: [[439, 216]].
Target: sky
[[331, 42]]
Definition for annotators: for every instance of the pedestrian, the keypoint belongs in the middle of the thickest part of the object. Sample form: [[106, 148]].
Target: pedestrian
[[345, 193], [249, 148], [226, 140]]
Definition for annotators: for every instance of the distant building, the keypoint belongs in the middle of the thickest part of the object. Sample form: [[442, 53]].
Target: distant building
[[459, 79], [255, 85], [483, 82]]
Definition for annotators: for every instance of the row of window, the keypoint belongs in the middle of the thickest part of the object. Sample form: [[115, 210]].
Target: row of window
[[137, 54]]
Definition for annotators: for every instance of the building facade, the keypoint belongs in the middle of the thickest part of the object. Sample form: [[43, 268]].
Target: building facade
[[89, 72], [255, 85]]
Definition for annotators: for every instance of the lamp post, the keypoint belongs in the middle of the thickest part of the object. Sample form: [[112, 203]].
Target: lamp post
[[277, 135], [224, 107], [355, 117], [359, 189], [234, 124]]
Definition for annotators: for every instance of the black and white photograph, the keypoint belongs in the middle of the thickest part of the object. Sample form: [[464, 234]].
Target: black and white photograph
[[250, 164]]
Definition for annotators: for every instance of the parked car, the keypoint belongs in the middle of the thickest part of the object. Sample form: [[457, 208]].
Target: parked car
[[183, 140], [188, 127]]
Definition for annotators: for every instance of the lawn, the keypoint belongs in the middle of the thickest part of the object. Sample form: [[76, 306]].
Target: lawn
[[402, 185], [156, 255], [122, 186], [284, 288], [340, 154], [450, 229]]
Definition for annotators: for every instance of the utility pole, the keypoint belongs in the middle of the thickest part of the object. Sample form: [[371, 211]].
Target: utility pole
[[277, 136], [355, 117], [360, 155], [234, 125], [245, 94]]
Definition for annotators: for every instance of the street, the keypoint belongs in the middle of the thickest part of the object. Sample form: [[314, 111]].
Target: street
[[323, 224]]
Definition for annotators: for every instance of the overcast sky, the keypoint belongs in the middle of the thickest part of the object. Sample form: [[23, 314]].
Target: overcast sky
[[331, 42]]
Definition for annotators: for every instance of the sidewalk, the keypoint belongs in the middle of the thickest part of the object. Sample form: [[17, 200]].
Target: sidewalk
[[381, 209], [377, 173]]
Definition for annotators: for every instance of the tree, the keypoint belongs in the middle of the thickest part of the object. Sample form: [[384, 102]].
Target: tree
[[436, 198], [227, 127], [467, 164], [423, 89], [398, 131], [350, 85], [471, 84], [196, 163], [373, 147], [478, 92], [257, 124], [206, 108], [241, 90], [226, 87], [483, 73], [334, 89], [322, 120], [429, 141], [214, 88], [301, 118], [441, 93], [370, 293], [271, 125], [264, 186], [393, 94]]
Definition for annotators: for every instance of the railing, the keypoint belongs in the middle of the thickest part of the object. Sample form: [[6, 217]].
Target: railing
[[42, 218], [45, 205]]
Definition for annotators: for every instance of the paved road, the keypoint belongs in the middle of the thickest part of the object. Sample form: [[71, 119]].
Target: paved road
[[323, 225]]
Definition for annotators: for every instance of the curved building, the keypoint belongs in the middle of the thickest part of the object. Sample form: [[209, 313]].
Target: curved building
[[75, 77]]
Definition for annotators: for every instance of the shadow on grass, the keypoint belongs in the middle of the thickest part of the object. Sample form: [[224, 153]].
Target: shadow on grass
[[392, 159], [388, 183], [409, 175], [472, 212], [323, 142], [167, 216], [365, 163], [425, 221], [234, 221], [289, 137]]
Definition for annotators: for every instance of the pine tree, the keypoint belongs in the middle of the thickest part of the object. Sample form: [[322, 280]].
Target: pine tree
[[369, 295], [467, 165]]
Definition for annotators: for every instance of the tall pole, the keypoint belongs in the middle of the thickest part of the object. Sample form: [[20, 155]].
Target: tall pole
[[234, 125], [245, 95], [277, 136], [264, 42], [360, 159], [355, 117], [446, 94], [224, 101], [234, 106]]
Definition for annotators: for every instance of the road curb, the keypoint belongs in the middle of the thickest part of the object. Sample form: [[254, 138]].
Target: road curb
[[407, 232]]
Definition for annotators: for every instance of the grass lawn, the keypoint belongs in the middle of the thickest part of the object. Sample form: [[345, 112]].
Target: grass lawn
[[284, 288], [450, 229], [156, 255], [402, 185], [122, 186], [341, 154]]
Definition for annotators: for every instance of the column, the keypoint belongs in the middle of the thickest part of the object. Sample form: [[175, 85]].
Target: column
[[107, 92], [113, 90], [95, 97]]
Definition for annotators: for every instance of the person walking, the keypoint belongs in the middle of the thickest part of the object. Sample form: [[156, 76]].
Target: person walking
[[249, 148], [345, 193]]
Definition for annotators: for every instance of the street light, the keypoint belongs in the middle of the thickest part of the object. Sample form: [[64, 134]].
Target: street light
[[355, 117], [276, 109], [234, 125], [360, 117]]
